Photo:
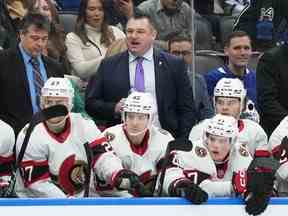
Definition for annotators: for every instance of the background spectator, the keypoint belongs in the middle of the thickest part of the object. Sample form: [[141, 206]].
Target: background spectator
[[238, 51], [87, 45], [182, 46], [11, 14], [119, 11], [266, 21], [272, 87], [235, 7], [203, 6], [169, 17]]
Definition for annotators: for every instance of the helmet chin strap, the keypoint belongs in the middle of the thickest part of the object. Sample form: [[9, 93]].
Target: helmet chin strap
[[57, 127], [138, 133], [226, 158]]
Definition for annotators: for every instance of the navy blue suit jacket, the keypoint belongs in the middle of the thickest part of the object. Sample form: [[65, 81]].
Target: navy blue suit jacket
[[173, 92]]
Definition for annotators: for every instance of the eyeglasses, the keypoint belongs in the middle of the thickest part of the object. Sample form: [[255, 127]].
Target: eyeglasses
[[181, 53]]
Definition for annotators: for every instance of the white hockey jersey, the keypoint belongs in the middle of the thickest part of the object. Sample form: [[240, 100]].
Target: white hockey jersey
[[55, 166], [251, 134], [274, 142], [198, 166], [142, 161], [7, 141]]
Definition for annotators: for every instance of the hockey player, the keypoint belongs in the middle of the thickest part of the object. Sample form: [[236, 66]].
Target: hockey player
[[55, 163], [211, 162], [7, 141], [229, 99], [138, 143], [232, 170]]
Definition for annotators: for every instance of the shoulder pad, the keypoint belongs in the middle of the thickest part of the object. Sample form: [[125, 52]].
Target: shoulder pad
[[200, 151], [85, 116], [162, 131]]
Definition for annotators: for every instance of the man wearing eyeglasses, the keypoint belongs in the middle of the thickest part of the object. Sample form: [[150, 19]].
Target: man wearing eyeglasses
[[182, 46]]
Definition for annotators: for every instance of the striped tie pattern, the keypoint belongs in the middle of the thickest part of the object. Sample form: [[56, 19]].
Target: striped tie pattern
[[38, 81]]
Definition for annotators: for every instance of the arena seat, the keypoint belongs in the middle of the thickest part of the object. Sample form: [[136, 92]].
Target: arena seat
[[205, 63], [68, 5], [203, 36], [68, 20], [226, 27]]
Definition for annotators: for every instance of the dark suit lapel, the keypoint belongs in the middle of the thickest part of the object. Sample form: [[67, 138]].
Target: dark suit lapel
[[20, 70], [48, 72], [158, 72], [126, 75]]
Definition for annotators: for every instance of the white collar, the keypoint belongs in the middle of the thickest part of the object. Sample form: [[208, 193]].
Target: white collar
[[148, 55]]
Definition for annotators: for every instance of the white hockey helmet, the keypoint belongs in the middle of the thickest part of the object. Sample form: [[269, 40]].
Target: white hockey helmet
[[139, 102], [58, 87], [224, 126], [230, 87]]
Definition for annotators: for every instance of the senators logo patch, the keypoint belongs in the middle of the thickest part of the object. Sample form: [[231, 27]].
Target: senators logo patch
[[78, 173], [243, 152], [109, 136], [201, 152], [72, 175]]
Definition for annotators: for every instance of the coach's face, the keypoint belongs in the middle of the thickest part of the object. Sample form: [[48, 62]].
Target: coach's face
[[34, 40], [140, 36]]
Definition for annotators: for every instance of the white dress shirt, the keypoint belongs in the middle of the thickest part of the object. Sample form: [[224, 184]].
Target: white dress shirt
[[149, 77]]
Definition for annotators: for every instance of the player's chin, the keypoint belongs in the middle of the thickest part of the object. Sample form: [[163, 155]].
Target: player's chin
[[242, 63], [134, 130], [217, 157]]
